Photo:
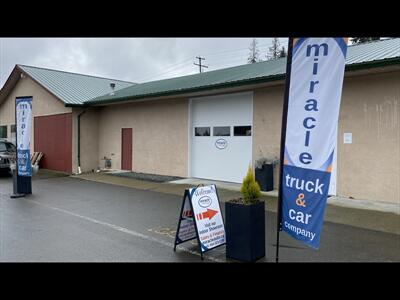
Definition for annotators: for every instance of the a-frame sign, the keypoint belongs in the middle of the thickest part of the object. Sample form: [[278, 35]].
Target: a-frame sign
[[201, 219]]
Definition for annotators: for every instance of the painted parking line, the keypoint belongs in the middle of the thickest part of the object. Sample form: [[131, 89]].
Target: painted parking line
[[126, 230]]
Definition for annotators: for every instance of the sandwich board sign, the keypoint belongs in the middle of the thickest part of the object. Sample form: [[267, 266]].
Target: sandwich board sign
[[201, 219]]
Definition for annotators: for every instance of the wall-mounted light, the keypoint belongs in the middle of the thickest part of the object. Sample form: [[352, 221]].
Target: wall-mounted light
[[112, 86]]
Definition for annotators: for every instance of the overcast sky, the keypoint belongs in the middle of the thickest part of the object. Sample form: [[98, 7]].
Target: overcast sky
[[131, 59]]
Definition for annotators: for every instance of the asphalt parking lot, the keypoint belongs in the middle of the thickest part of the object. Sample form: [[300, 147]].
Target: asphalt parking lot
[[72, 220]]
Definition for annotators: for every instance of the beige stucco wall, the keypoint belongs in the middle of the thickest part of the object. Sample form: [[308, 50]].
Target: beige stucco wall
[[267, 119], [89, 139], [369, 168], [160, 135], [43, 103]]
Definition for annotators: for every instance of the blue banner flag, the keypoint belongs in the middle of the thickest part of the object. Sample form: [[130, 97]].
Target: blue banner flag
[[23, 108], [316, 80]]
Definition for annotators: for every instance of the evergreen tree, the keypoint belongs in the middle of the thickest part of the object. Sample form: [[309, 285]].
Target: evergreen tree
[[254, 52], [250, 189], [274, 51]]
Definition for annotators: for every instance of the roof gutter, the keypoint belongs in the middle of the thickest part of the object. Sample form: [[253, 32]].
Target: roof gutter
[[75, 105]]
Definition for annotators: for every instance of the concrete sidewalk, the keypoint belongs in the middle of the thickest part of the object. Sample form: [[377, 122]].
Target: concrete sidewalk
[[339, 210]]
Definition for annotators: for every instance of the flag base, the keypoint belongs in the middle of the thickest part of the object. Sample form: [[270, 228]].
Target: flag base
[[13, 196], [24, 185]]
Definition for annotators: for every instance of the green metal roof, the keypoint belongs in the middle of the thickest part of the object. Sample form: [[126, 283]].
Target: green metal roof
[[73, 88], [358, 56]]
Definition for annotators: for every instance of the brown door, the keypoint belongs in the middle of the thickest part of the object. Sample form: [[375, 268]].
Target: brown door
[[53, 137], [126, 155]]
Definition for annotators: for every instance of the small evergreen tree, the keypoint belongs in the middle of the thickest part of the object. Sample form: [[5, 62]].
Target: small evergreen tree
[[274, 51], [254, 52], [250, 189]]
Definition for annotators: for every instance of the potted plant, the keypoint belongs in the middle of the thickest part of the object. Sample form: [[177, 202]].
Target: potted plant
[[264, 172], [245, 223]]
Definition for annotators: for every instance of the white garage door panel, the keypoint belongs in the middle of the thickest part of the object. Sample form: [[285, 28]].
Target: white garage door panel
[[206, 160]]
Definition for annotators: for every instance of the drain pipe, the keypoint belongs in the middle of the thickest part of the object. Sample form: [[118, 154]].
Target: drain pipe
[[79, 141]]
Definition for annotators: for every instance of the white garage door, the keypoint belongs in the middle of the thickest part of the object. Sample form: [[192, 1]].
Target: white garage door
[[220, 136]]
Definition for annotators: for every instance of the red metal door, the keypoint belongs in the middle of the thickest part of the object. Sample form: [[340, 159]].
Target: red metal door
[[126, 155], [53, 137]]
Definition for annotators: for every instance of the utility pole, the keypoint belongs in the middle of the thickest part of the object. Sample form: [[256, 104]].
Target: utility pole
[[199, 64]]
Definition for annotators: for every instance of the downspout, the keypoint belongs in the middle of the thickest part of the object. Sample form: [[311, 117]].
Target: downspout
[[79, 142]]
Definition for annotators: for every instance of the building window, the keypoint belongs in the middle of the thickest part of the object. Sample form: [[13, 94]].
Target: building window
[[202, 131], [242, 130], [13, 133], [3, 132], [222, 131]]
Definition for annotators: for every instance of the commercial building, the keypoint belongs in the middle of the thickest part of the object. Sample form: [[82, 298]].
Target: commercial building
[[212, 125]]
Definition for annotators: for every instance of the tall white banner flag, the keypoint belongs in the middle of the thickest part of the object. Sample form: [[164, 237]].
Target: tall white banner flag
[[315, 90], [23, 108]]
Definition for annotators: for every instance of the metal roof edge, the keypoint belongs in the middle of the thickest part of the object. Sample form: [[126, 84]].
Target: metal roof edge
[[349, 68], [75, 73], [373, 64], [42, 85], [190, 90], [7, 83], [17, 68]]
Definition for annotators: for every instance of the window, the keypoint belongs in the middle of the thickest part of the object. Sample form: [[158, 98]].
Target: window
[[242, 130], [13, 134], [222, 131], [202, 131], [3, 132]]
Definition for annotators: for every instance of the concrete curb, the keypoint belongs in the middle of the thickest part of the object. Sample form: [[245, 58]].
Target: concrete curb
[[336, 200]]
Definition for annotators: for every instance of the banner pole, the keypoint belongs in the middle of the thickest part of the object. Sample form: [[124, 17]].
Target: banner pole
[[283, 142], [15, 172], [15, 193]]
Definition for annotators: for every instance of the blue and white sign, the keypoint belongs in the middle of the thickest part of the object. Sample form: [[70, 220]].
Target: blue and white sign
[[221, 144], [201, 218], [208, 217], [315, 90], [23, 125]]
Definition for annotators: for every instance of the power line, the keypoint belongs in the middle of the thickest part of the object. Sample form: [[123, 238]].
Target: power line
[[220, 62], [166, 70], [199, 64], [174, 67], [180, 69]]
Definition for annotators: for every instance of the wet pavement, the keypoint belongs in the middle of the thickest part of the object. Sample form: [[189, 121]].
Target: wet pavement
[[69, 219]]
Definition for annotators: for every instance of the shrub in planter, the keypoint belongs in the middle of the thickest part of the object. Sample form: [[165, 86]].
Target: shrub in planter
[[245, 223]]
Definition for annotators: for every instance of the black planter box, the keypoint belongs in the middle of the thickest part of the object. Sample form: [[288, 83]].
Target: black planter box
[[245, 231], [265, 177]]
